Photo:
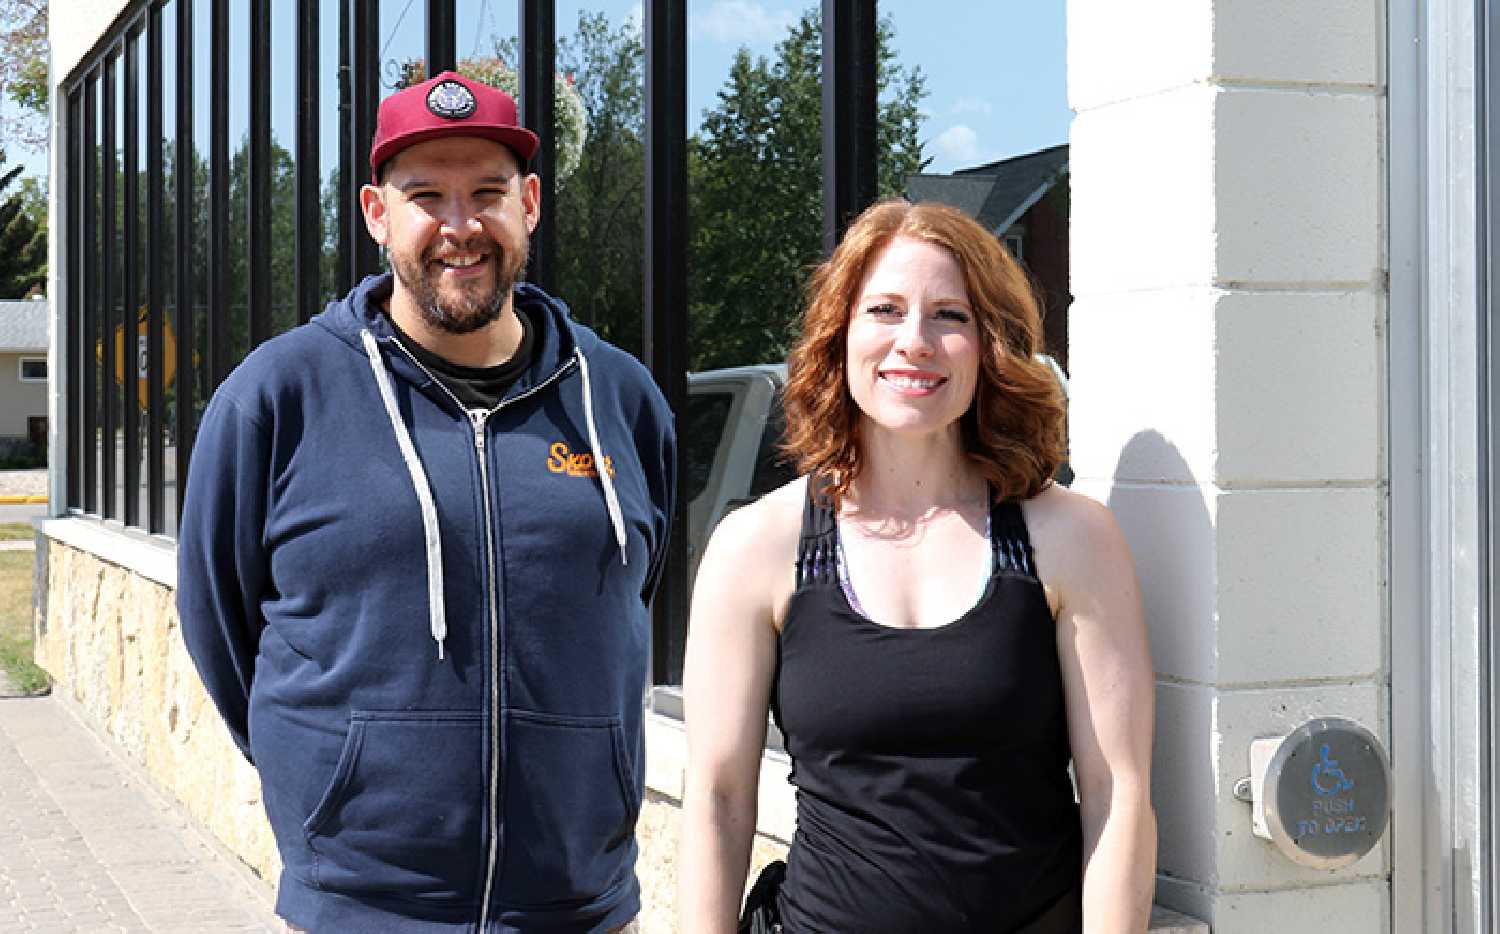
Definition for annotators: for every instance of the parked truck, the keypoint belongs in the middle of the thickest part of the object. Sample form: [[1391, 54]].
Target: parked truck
[[730, 436]]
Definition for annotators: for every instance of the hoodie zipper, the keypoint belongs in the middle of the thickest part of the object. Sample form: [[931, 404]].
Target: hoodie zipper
[[479, 418]]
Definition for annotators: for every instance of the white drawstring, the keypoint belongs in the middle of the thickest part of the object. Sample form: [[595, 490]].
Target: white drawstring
[[436, 615], [611, 501]]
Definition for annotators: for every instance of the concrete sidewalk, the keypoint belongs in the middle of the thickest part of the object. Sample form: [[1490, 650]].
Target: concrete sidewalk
[[23, 486], [86, 847]]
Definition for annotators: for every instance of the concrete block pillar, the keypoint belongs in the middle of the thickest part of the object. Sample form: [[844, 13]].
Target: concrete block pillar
[[1228, 402]]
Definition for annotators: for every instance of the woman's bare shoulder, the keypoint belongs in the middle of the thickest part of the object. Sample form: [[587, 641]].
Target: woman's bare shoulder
[[1072, 533], [751, 557], [766, 529], [1068, 510]]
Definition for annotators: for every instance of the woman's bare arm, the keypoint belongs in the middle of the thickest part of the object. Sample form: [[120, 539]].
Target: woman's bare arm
[[731, 658], [1108, 684]]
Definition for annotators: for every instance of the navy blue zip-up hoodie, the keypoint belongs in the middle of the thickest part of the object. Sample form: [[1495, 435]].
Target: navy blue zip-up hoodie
[[437, 751]]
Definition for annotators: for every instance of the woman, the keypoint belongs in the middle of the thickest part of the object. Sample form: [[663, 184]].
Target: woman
[[938, 628]]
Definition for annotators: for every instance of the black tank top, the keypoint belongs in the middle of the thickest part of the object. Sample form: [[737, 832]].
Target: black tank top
[[931, 765]]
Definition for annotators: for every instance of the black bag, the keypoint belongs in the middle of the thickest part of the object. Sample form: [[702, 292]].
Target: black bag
[[760, 915]]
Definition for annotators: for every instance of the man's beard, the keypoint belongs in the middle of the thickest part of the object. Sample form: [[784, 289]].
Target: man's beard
[[473, 308]]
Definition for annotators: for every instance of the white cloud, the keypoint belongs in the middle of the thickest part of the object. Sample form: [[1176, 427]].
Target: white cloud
[[958, 144], [740, 21], [637, 17], [971, 105]]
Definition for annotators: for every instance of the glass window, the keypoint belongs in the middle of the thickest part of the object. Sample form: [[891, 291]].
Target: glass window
[[33, 369], [487, 29], [165, 259], [772, 469], [283, 142], [699, 435], [234, 317], [755, 181], [403, 46], [332, 203], [198, 164], [114, 445], [993, 130], [600, 103]]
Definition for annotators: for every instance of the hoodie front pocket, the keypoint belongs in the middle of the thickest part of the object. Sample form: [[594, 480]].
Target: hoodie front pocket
[[403, 814], [570, 809]]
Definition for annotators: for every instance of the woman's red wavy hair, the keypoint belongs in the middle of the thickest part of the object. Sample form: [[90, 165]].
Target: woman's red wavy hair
[[1014, 429]]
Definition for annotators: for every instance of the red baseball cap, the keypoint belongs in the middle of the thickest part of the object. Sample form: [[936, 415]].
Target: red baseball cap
[[448, 105]]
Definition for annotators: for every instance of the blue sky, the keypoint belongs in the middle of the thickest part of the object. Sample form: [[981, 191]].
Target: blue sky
[[995, 69]]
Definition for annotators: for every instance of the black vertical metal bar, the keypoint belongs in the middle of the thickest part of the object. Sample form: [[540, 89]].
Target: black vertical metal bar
[[365, 83], [309, 215], [258, 201], [130, 409], [71, 339], [92, 258], [850, 92], [183, 292], [110, 288], [217, 316], [538, 71], [441, 36], [345, 276], [666, 292], [155, 286]]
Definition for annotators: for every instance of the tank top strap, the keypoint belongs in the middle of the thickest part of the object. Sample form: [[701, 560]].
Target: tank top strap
[[815, 549], [1010, 540]]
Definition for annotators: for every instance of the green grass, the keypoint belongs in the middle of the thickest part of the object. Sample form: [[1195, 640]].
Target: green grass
[[15, 532], [15, 622]]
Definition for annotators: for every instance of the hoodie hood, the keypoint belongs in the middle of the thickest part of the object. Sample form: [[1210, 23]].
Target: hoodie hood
[[558, 338]]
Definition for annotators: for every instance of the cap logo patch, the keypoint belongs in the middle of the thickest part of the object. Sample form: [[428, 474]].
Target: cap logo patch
[[451, 99]]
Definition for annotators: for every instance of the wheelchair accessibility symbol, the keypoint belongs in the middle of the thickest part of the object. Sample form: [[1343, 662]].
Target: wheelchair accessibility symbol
[[1325, 794], [1327, 778]]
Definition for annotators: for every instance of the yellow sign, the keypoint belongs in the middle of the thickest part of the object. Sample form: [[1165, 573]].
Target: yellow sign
[[169, 355]]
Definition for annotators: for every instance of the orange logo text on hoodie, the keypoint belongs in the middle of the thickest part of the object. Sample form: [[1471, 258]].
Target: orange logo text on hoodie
[[576, 465]]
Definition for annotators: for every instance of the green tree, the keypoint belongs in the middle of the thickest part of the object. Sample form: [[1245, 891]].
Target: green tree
[[23, 71], [757, 183], [283, 244], [600, 207], [23, 241]]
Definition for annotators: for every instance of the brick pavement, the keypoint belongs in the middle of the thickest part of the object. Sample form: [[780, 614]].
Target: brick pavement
[[85, 847]]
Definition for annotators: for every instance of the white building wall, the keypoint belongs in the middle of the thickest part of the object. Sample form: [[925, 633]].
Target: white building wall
[[74, 27], [1228, 402], [19, 401]]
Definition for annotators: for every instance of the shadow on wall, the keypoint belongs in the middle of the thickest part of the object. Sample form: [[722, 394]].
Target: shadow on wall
[[1166, 519]]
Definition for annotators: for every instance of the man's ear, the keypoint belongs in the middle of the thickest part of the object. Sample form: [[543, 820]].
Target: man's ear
[[531, 201], [372, 205]]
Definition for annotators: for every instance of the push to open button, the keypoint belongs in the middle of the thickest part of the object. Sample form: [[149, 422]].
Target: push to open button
[[1321, 794]]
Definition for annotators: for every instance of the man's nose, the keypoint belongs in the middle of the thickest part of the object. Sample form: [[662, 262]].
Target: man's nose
[[460, 218]]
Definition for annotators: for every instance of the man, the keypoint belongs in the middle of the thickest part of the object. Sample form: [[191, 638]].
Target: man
[[417, 549]]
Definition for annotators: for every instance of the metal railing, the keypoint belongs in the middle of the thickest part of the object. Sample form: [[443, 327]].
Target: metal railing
[[118, 261]]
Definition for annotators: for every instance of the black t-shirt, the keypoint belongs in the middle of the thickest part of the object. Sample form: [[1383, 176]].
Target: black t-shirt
[[931, 765], [476, 387]]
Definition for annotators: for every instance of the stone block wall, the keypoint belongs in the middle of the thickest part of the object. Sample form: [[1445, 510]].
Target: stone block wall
[[1228, 402], [109, 638]]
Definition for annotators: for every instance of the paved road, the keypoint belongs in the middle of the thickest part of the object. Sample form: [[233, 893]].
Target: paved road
[[23, 512], [83, 848]]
